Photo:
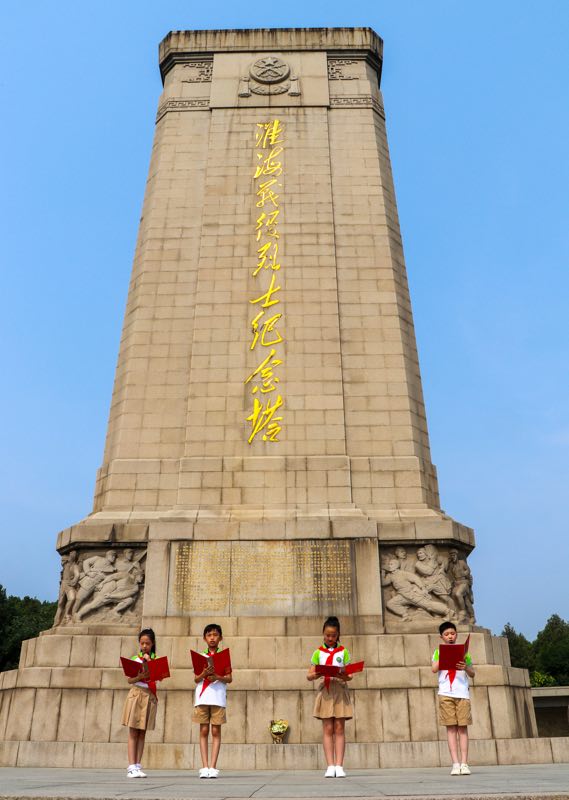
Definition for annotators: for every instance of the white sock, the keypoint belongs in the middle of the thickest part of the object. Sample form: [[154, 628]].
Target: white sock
[[132, 766]]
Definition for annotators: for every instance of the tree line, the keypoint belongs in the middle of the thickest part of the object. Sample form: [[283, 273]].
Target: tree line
[[21, 618], [547, 657]]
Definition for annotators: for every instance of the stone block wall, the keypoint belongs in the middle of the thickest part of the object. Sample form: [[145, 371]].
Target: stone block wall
[[70, 711]]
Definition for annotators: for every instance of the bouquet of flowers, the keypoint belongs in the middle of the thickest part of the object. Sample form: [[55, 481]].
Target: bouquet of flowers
[[278, 729]]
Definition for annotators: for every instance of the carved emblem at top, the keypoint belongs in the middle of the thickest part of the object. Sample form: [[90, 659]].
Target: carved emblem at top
[[269, 70], [269, 75]]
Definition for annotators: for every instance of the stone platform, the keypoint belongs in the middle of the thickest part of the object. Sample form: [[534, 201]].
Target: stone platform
[[62, 707], [550, 782]]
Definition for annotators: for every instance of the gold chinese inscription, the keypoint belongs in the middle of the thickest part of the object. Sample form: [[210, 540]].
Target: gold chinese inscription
[[225, 577], [267, 341]]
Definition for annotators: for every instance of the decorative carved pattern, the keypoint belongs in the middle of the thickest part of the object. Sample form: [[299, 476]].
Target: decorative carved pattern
[[358, 101], [191, 104], [103, 586], [198, 72], [428, 583], [260, 88], [337, 69]]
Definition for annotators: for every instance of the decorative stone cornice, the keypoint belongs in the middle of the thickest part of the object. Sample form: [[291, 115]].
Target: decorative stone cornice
[[183, 46]]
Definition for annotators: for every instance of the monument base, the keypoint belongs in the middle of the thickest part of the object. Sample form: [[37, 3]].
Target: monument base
[[382, 755], [62, 707]]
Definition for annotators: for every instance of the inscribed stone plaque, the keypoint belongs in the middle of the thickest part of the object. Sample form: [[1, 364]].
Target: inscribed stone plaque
[[259, 577]]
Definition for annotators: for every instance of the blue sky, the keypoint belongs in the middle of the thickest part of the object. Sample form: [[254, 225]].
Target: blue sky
[[478, 119]]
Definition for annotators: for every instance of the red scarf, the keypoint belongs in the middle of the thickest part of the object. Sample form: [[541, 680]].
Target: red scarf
[[151, 684], [329, 662], [206, 681]]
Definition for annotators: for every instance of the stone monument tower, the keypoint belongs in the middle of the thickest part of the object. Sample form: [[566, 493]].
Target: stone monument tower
[[267, 459]]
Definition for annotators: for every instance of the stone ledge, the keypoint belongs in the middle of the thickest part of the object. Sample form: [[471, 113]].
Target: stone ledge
[[384, 755], [256, 650], [245, 679], [178, 43]]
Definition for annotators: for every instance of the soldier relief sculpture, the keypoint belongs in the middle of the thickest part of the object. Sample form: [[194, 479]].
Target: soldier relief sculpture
[[427, 584], [102, 587]]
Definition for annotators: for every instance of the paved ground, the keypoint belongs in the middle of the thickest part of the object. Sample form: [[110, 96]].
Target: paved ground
[[549, 781]]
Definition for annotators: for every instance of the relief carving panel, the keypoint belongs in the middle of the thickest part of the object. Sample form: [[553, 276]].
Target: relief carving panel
[[101, 586], [424, 583]]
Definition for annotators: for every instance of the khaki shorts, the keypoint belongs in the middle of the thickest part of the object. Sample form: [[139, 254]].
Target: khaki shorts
[[454, 711], [209, 715]]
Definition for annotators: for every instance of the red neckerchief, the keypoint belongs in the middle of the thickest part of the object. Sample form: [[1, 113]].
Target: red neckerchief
[[329, 661], [451, 673], [206, 681], [151, 684]]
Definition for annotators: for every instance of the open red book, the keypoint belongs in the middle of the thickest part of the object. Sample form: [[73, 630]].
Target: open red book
[[221, 662], [333, 672], [158, 668], [451, 654]]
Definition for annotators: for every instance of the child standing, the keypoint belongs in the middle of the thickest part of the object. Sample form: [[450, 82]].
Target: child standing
[[332, 705], [454, 702], [210, 703], [139, 712]]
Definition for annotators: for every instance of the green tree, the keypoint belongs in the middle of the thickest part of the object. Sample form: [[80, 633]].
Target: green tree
[[21, 618], [541, 679], [521, 650], [551, 649]]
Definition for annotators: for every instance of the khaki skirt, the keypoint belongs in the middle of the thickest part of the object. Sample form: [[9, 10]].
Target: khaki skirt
[[140, 709], [333, 702]]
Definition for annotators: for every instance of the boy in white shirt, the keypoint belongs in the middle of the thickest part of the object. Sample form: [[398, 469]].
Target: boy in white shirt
[[210, 703], [454, 701]]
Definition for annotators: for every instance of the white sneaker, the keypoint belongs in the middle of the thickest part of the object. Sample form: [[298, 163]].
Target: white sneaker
[[340, 772], [455, 769], [204, 772], [133, 772], [330, 772], [213, 772], [141, 773], [464, 769]]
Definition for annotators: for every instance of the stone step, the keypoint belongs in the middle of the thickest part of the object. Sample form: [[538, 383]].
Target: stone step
[[392, 714], [290, 679], [62, 648], [384, 755]]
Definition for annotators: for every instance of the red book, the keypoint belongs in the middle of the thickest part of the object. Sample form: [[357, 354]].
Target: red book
[[158, 668], [451, 654], [333, 672], [221, 662]]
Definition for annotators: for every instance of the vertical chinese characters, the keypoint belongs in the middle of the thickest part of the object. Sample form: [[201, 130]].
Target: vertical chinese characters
[[267, 341]]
